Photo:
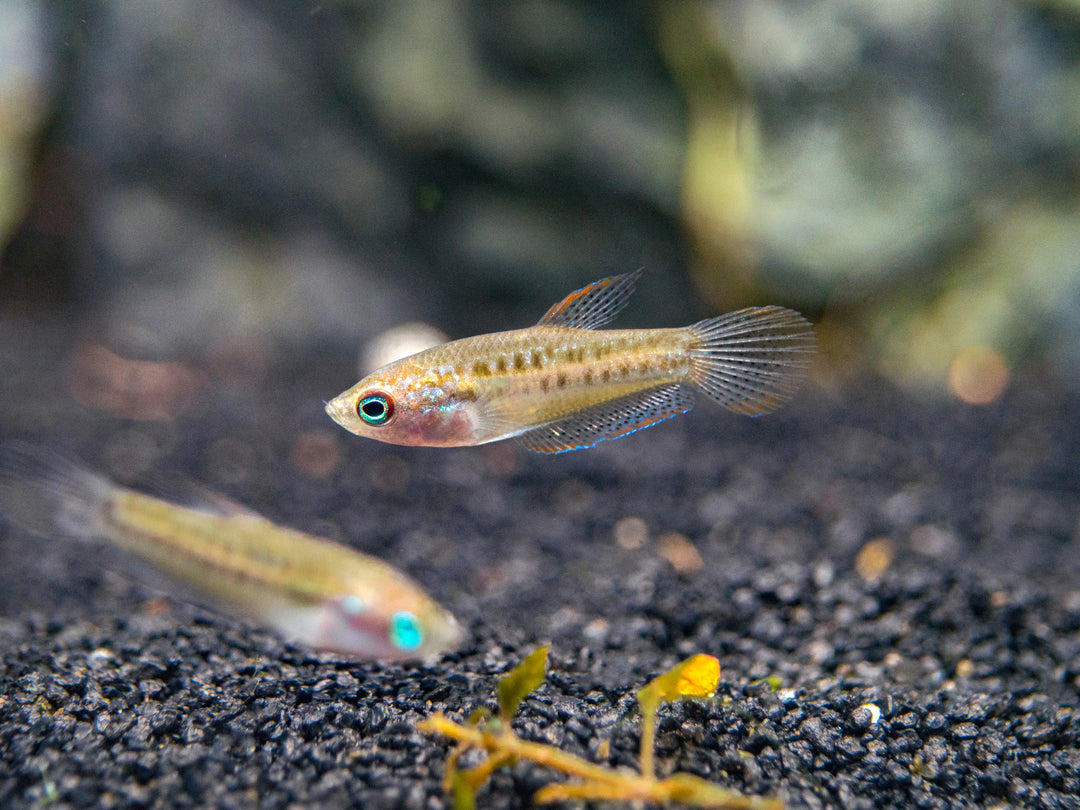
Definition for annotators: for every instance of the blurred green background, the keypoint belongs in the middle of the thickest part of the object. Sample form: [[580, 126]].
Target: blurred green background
[[194, 180]]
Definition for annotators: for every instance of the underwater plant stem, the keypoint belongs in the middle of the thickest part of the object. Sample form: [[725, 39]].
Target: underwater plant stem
[[599, 783], [648, 737], [692, 792], [505, 744]]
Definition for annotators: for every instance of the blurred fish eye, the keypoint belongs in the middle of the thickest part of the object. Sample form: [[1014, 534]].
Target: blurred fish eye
[[405, 631], [376, 408]]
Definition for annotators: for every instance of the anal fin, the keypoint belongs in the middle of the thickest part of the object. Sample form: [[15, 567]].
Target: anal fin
[[610, 420]]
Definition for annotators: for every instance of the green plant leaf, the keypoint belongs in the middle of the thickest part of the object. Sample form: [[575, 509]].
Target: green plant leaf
[[520, 681], [464, 795], [478, 716]]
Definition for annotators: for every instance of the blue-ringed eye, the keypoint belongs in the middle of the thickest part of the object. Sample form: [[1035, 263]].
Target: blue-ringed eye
[[376, 408], [405, 631]]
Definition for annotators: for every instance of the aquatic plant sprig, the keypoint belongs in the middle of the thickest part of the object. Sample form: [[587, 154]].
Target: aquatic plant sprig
[[696, 677]]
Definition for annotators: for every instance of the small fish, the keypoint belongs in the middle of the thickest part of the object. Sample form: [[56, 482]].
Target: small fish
[[309, 589], [565, 385]]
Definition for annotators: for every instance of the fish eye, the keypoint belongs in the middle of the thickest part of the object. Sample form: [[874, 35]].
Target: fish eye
[[405, 631], [376, 408]]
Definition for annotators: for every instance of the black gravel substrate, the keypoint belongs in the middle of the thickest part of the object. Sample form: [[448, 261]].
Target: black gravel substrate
[[950, 679]]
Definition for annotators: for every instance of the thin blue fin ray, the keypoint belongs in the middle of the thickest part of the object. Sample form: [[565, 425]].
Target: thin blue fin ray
[[610, 420]]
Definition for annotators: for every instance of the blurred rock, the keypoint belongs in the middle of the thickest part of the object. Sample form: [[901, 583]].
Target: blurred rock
[[272, 175], [915, 165], [282, 174], [27, 72]]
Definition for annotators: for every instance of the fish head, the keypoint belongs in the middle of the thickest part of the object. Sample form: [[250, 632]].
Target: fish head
[[408, 626], [410, 403]]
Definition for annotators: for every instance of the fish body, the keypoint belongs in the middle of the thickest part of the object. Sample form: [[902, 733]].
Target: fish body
[[564, 384], [308, 588]]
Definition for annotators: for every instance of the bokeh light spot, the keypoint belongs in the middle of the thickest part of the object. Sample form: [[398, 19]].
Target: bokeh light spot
[[874, 558], [631, 533], [978, 375], [400, 341], [678, 550], [132, 389], [315, 453]]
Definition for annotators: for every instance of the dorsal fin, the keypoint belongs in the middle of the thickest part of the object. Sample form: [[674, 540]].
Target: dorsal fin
[[181, 491], [204, 499], [593, 305]]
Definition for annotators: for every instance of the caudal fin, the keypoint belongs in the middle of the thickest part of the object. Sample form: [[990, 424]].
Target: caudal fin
[[47, 494], [752, 360]]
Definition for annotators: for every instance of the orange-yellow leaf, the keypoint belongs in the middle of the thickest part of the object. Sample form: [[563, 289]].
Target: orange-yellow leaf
[[697, 676]]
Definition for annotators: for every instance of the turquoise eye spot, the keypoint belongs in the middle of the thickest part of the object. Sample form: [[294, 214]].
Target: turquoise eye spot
[[405, 631], [375, 409]]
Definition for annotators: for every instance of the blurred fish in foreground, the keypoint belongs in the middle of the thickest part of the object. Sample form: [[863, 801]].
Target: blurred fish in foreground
[[307, 588], [565, 385]]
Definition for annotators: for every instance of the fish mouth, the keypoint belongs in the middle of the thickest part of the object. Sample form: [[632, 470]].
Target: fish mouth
[[453, 634], [338, 410], [446, 635]]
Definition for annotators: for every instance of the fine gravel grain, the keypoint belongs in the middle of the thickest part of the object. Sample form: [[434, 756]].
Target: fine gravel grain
[[890, 584]]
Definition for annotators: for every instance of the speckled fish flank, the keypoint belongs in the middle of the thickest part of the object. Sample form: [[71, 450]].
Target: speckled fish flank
[[564, 384], [308, 588]]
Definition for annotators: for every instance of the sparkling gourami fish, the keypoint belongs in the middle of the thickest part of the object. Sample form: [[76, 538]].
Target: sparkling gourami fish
[[307, 588], [564, 384]]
